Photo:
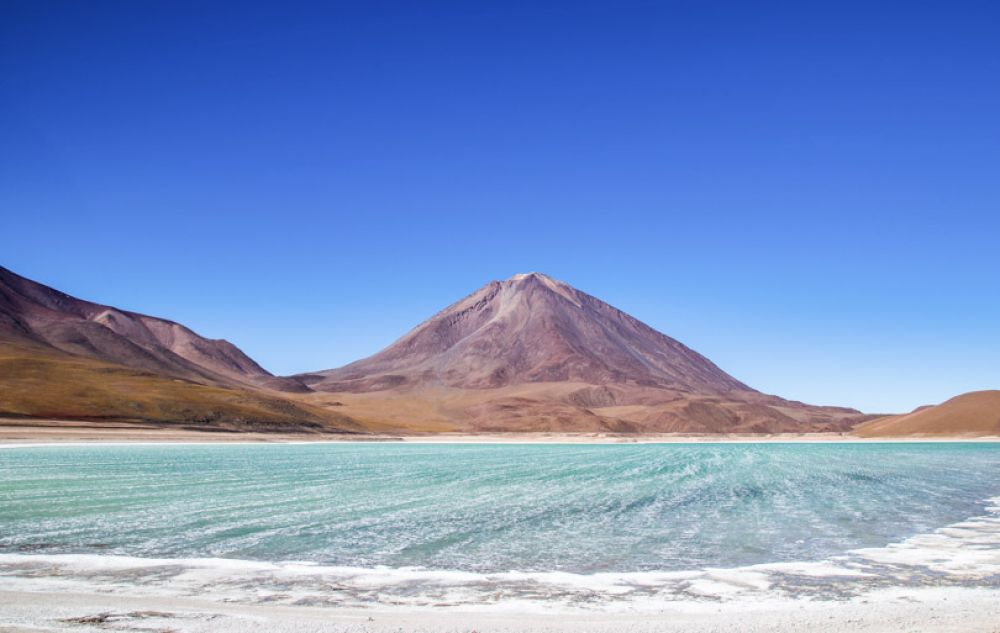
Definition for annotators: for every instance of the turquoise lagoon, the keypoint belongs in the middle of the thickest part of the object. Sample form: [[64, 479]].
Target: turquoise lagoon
[[442, 524]]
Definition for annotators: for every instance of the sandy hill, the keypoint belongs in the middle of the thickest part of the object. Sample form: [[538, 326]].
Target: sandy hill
[[42, 383], [66, 358], [535, 354], [974, 413], [32, 312]]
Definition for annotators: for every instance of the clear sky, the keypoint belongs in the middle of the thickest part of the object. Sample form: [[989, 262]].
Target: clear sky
[[807, 193]]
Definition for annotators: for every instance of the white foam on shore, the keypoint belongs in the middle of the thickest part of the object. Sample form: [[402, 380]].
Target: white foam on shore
[[961, 553], [969, 549]]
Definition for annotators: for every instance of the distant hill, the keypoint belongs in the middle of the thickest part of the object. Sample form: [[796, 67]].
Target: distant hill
[[535, 354], [973, 413], [38, 382], [66, 358], [30, 311]]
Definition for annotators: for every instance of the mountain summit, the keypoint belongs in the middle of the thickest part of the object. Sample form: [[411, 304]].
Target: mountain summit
[[527, 329], [532, 353]]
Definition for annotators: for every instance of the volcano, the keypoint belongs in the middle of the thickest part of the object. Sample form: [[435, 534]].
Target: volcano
[[532, 353]]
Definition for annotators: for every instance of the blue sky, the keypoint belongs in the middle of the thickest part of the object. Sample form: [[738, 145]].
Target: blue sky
[[807, 193]]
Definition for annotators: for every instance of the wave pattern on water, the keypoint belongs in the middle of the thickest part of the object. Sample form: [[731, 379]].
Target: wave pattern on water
[[431, 525]]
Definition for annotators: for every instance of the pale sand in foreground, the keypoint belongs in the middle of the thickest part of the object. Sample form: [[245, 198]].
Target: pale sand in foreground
[[966, 610], [19, 432]]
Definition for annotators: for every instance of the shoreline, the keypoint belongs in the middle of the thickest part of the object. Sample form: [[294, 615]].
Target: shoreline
[[14, 433], [846, 594], [954, 609], [947, 557]]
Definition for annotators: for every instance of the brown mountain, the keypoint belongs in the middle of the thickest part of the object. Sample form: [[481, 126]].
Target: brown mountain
[[535, 354], [973, 413], [531, 328], [33, 312], [65, 358], [39, 383]]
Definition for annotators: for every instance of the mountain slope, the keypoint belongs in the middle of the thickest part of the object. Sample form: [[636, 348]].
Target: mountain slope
[[534, 354], [973, 413], [531, 328], [38, 381], [30, 311], [69, 359]]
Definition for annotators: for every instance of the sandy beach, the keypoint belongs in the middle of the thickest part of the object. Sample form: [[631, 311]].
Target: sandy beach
[[965, 610], [21, 432]]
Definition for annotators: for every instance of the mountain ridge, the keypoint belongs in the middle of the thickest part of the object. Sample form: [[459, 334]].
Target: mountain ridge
[[64, 358], [526, 354], [36, 312]]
